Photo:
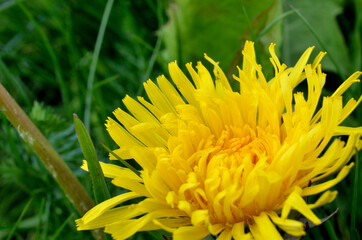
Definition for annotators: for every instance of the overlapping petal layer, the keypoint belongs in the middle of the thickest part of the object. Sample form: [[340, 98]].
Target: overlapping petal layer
[[231, 164]]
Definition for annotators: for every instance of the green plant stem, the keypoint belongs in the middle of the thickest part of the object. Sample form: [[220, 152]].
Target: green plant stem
[[46, 153]]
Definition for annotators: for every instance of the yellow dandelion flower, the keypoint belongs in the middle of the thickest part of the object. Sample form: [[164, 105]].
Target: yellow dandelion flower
[[231, 164]]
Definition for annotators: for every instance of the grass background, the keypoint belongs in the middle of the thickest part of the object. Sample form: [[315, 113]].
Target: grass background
[[46, 54]]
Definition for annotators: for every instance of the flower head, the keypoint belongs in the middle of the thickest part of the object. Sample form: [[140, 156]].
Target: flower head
[[231, 164]]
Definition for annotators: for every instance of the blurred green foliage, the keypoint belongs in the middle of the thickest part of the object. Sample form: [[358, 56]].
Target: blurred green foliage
[[45, 43]]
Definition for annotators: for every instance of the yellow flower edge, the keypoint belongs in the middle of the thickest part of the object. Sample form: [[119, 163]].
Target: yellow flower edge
[[233, 164]]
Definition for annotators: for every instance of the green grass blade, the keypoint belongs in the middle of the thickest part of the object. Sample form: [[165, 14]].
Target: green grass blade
[[156, 49], [40, 222], [353, 230], [47, 213], [271, 24], [105, 81], [19, 219], [331, 230], [151, 62], [100, 189], [92, 71], [16, 84], [320, 41], [122, 161], [61, 227], [53, 57]]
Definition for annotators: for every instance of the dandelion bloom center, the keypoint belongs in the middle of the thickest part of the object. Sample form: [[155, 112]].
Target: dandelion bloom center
[[233, 164], [221, 169]]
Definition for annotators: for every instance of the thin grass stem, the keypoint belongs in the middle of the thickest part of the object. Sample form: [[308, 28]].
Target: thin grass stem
[[60, 229], [330, 229], [12, 232], [40, 221], [156, 49], [95, 57]]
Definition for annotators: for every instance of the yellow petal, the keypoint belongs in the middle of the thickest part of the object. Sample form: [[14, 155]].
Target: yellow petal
[[287, 91], [326, 198], [340, 90], [199, 216], [124, 118], [206, 81], [110, 216], [295, 75], [263, 228], [347, 83], [170, 224], [292, 227], [131, 184], [274, 59], [108, 204], [195, 77], [296, 202], [214, 229], [183, 84], [157, 98], [349, 108], [238, 232], [113, 171], [225, 235], [343, 130], [219, 74], [326, 185], [126, 228], [138, 111], [170, 92], [120, 135], [318, 59], [249, 59], [190, 233]]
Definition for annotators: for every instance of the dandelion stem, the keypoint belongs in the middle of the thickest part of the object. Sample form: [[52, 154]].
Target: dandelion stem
[[46, 153]]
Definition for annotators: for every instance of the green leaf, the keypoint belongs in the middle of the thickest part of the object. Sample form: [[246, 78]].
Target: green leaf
[[100, 189], [322, 16], [217, 28]]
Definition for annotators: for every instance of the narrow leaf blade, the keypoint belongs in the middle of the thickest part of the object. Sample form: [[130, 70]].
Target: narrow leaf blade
[[100, 189]]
